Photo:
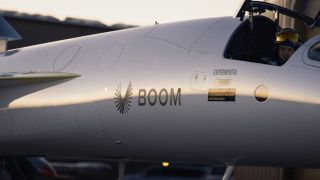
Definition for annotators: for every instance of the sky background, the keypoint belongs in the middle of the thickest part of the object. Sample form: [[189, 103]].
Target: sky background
[[135, 12]]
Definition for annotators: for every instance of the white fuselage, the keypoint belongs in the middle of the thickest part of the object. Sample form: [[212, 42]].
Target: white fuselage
[[171, 68]]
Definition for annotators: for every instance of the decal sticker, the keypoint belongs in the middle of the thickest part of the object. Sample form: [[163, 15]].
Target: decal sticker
[[225, 72], [152, 97], [163, 97], [222, 94], [200, 81], [123, 104], [222, 81]]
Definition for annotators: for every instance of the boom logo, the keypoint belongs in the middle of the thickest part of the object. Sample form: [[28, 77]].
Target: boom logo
[[123, 104], [152, 97], [164, 97]]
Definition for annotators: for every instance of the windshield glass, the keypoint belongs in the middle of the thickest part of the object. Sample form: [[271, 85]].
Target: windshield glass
[[309, 8]]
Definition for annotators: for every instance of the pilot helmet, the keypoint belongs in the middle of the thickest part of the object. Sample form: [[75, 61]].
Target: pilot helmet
[[288, 37]]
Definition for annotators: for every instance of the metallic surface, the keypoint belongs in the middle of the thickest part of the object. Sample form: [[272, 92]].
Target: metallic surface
[[170, 68]]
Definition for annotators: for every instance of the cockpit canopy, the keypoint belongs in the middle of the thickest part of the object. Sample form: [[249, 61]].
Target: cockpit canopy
[[296, 10], [254, 39]]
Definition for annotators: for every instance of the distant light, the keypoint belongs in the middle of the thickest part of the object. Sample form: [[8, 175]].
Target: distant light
[[165, 164]]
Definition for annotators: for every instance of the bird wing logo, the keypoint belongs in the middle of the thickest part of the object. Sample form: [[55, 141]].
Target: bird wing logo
[[123, 104]]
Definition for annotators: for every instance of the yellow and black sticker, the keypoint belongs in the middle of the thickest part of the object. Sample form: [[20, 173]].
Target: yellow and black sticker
[[222, 94]]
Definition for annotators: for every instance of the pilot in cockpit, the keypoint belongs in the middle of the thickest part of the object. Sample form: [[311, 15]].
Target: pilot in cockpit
[[287, 41]]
